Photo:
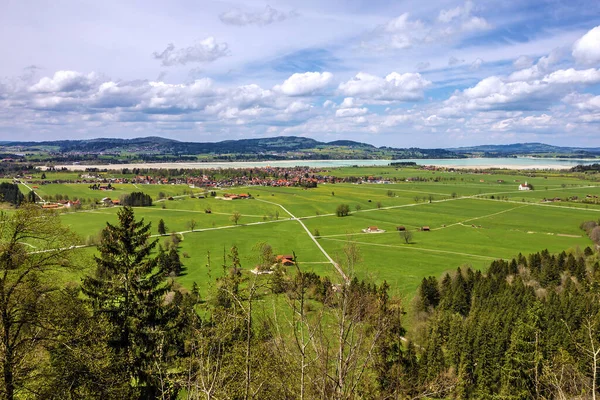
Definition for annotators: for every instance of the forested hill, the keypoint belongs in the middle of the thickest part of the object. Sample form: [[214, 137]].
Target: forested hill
[[527, 149], [277, 147]]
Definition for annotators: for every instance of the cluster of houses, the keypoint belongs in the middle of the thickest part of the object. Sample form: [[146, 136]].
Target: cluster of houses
[[232, 196], [62, 204]]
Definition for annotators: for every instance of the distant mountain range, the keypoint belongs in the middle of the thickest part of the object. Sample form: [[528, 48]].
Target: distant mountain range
[[526, 149], [264, 148], [283, 147]]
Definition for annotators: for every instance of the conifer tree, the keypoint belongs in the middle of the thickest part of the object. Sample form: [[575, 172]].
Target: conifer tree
[[129, 289], [162, 229]]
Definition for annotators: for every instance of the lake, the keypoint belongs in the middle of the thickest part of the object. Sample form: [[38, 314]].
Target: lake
[[509, 163]]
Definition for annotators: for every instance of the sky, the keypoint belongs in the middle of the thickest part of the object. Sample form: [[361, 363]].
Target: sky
[[401, 73]]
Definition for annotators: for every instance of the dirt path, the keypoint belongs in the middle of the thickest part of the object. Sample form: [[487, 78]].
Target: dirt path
[[337, 267]]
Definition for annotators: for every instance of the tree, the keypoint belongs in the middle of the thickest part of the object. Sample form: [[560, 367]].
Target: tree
[[10, 193], [31, 197], [406, 235], [192, 224], [235, 217], [43, 175], [162, 229], [136, 199], [25, 289], [342, 210], [358, 207], [129, 289]]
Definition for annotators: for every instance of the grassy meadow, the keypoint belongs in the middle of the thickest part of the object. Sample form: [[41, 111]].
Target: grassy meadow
[[473, 219]]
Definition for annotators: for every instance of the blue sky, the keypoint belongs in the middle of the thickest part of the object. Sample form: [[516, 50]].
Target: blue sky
[[396, 73]]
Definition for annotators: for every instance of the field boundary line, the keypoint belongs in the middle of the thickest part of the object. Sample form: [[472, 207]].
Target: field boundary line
[[337, 267], [483, 216], [416, 248], [545, 205]]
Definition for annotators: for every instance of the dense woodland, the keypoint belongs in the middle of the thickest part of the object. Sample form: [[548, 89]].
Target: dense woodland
[[526, 328], [10, 193]]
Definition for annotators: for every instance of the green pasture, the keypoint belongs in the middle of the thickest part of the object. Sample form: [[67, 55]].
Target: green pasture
[[468, 226]]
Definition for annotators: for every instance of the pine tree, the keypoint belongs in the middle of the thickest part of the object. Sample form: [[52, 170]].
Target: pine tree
[[162, 229], [129, 289]]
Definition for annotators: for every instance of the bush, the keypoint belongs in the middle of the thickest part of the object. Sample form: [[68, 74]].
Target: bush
[[342, 210]]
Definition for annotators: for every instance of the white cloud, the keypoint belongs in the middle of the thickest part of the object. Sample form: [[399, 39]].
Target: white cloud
[[268, 16], [348, 102], [587, 49], [297, 107], [496, 93], [395, 86], [523, 62], [204, 51], [66, 81], [304, 84], [350, 112], [475, 65]]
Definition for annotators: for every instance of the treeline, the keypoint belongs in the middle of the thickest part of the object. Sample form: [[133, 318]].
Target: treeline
[[527, 329], [136, 199], [10, 193], [586, 168]]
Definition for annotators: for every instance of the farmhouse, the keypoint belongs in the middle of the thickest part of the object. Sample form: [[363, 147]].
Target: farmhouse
[[285, 259], [524, 186], [373, 229]]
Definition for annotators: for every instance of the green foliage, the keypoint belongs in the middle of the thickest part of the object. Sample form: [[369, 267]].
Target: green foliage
[[162, 228], [136, 199], [342, 210], [129, 288], [10, 193]]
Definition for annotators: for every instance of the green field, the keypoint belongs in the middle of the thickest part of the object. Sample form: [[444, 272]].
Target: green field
[[474, 218]]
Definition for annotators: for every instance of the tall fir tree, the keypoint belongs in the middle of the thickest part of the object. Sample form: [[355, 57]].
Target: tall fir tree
[[129, 289]]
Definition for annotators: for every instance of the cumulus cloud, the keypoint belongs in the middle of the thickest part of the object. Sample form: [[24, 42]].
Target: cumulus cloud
[[475, 65], [587, 49], [307, 83], [461, 20], [204, 51], [266, 17], [395, 86], [403, 32], [348, 102], [496, 93], [350, 112], [297, 107], [523, 62], [66, 81]]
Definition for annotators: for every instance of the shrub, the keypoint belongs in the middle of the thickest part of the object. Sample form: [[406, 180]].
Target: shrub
[[342, 210]]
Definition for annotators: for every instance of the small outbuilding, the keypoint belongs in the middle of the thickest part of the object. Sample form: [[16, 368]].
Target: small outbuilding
[[285, 259], [400, 228], [373, 229], [425, 229]]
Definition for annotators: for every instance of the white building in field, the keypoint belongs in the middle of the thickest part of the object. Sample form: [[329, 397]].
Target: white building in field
[[524, 186]]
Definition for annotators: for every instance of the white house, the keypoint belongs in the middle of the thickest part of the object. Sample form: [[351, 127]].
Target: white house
[[524, 186]]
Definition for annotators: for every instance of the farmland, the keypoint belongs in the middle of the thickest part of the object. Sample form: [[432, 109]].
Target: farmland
[[473, 219]]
